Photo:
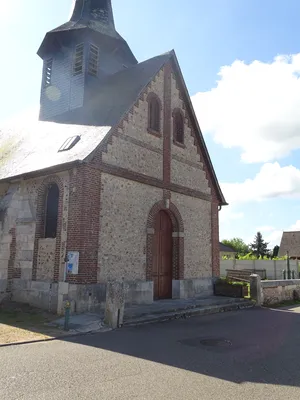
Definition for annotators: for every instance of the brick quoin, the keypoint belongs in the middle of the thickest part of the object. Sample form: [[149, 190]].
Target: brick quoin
[[84, 221], [167, 123]]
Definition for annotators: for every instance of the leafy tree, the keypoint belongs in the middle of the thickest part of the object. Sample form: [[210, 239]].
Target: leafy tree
[[259, 247], [238, 245], [275, 251]]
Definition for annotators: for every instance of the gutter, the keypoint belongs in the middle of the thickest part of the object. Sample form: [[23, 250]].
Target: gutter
[[45, 171]]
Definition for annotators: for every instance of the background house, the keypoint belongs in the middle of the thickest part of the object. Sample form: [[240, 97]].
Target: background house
[[290, 242], [226, 251]]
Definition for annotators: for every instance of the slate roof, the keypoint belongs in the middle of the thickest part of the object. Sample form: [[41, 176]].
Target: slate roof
[[35, 147], [115, 96], [94, 25], [226, 249], [290, 241]]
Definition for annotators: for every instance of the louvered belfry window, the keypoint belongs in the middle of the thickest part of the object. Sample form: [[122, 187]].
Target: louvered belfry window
[[78, 59], [93, 60], [48, 72]]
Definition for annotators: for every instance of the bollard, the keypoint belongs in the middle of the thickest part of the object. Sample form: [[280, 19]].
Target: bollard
[[284, 274], [67, 315], [293, 274]]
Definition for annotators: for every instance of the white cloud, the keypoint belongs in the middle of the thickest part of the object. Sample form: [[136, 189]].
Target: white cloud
[[265, 228], [10, 9], [254, 107], [272, 181], [295, 226], [274, 237], [228, 214]]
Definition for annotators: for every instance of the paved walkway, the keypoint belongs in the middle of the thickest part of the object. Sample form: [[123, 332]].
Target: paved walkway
[[157, 311]]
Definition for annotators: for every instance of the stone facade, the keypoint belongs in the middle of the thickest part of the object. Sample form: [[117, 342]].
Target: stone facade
[[125, 206], [26, 256], [197, 236], [275, 292]]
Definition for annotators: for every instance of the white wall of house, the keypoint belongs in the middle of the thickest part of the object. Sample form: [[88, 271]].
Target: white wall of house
[[273, 268]]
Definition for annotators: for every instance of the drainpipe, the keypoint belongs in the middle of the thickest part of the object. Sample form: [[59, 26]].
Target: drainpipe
[[288, 265]]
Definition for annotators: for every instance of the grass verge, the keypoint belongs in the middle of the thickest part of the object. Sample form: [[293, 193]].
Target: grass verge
[[21, 323]]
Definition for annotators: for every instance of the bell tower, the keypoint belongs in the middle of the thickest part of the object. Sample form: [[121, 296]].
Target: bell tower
[[77, 56]]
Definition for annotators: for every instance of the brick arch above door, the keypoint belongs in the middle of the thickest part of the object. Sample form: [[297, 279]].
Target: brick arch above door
[[177, 238]]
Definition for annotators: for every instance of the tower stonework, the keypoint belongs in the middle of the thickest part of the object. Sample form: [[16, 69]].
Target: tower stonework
[[77, 56]]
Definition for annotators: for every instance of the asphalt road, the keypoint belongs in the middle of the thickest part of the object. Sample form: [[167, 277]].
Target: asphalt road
[[250, 354]]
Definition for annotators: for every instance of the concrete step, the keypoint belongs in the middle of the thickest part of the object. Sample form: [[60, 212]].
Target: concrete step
[[236, 304]]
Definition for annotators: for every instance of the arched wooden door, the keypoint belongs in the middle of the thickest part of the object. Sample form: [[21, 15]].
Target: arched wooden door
[[162, 256]]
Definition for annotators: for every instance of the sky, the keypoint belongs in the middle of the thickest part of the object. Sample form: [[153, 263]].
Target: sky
[[241, 63]]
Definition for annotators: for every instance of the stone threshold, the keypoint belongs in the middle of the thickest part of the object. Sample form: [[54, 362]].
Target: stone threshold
[[165, 310]]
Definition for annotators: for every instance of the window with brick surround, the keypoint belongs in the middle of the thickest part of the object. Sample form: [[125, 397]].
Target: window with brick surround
[[154, 114], [178, 131], [78, 59], [48, 72], [51, 211], [93, 60]]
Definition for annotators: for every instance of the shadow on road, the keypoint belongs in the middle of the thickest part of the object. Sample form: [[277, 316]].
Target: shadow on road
[[256, 345]]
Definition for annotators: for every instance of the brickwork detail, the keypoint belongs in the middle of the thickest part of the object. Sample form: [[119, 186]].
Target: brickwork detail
[[83, 223], [167, 124]]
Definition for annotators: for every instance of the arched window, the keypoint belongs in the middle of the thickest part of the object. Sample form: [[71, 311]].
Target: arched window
[[154, 114], [51, 211], [178, 131]]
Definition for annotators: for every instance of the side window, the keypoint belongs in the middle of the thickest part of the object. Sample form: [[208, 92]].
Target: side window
[[154, 114], [51, 211], [178, 130]]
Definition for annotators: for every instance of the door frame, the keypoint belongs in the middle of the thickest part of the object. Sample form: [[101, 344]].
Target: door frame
[[177, 239]]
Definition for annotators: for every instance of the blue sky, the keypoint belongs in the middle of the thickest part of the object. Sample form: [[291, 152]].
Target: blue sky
[[239, 59]]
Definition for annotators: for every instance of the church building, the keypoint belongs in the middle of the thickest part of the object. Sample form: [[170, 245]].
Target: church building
[[113, 182]]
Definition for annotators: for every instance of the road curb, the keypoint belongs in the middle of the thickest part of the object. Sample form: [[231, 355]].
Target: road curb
[[187, 313], [49, 339]]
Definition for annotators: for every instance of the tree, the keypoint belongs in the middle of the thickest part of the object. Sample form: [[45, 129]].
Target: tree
[[275, 251], [238, 245], [259, 247]]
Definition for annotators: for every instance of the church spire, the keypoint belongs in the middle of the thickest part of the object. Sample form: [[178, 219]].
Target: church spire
[[78, 56], [99, 11]]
